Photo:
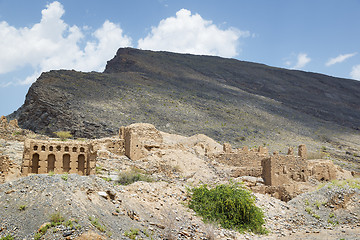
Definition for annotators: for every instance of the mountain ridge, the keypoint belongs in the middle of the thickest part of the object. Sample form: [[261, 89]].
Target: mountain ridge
[[240, 102]]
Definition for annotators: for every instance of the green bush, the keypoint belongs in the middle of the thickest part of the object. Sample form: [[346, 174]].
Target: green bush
[[134, 175], [63, 135], [230, 205], [65, 176], [7, 237]]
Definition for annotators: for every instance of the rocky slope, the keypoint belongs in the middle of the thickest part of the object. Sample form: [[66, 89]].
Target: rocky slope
[[96, 207], [229, 100]]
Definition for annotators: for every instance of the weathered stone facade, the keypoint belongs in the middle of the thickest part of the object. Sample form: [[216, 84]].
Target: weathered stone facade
[[247, 162], [42, 156], [281, 169], [278, 170], [113, 145], [4, 167], [139, 139]]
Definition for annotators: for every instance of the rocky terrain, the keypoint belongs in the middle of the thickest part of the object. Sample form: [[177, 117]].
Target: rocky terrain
[[97, 207], [228, 100], [197, 103]]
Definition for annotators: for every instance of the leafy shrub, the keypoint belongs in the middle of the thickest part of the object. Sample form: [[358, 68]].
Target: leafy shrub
[[7, 237], [63, 135], [134, 175], [230, 205]]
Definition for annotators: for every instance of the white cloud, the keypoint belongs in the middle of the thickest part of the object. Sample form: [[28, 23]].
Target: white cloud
[[302, 61], [355, 72], [339, 59], [190, 33], [53, 44]]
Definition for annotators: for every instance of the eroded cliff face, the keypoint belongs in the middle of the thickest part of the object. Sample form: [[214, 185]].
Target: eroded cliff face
[[241, 102]]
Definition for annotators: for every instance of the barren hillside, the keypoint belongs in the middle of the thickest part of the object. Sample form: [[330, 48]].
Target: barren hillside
[[229, 100]]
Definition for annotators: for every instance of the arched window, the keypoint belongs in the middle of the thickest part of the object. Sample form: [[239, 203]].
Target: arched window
[[42, 148], [66, 162], [51, 163], [51, 148], [35, 148], [58, 148], [74, 149], [35, 163], [81, 164], [82, 149], [66, 149]]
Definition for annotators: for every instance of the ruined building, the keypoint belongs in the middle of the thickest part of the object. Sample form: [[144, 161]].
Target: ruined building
[[136, 141], [247, 162], [4, 167], [139, 139], [43, 156]]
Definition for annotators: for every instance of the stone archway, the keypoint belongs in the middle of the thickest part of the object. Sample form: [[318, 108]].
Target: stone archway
[[66, 163], [81, 164], [51, 163], [35, 163]]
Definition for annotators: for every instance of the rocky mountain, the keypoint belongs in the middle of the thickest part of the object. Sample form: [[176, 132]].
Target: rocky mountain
[[229, 100]]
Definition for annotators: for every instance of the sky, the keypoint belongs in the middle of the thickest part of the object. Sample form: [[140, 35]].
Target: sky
[[36, 36]]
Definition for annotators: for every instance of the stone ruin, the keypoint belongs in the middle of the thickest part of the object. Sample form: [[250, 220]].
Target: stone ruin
[[283, 175], [44, 156], [8, 169], [247, 162], [11, 130], [4, 123], [4, 167], [139, 139]]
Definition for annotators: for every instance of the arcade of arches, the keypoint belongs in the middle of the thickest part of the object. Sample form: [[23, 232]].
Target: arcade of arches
[[41, 156]]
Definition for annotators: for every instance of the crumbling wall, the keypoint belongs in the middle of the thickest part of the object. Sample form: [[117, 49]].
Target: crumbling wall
[[112, 145], [8, 169], [140, 139], [322, 170], [41, 156], [247, 162], [284, 169], [4, 167]]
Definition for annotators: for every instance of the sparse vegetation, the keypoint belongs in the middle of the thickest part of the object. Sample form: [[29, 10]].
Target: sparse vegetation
[[63, 135], [51, 173], [134, 175], [231, 205], [351, 183], [7, 237], [42, 231], [98, 169], [65, 176], [132, 233], [107, 179], [22, 207], [56, 219], [95, 222]]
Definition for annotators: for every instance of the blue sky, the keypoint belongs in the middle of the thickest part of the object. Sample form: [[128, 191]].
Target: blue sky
[[35, 36]]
